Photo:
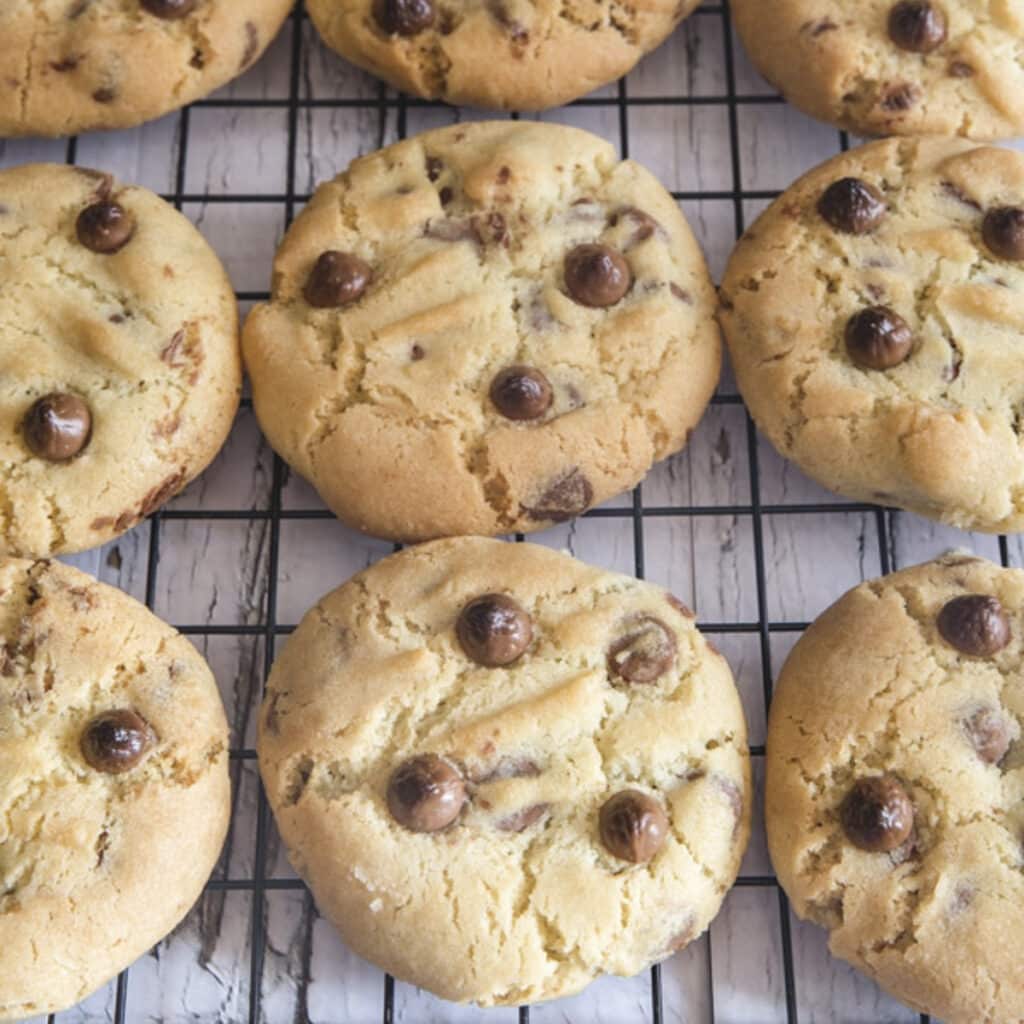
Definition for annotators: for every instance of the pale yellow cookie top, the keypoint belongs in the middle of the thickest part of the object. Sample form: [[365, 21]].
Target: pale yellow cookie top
[[517, 900], [95, 868]]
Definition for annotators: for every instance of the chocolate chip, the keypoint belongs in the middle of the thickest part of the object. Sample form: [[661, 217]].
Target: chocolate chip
[[568, 496], [917, 26], [494, 630], [645, 653], [644, 225], [961, 69], [252, 45], [105, 94], [116, 741], [989, 734], [434, 168], [597, 275], [974, 624], [899, 97], [171, 10], [633, 826], [426, 794], [105, 227], [521, 393], [877, 814], [852, 206], [878, 339], [404, 17], [520, 821], [1003, 231], [445, 196], [337, 279], [57, 427], [416, 353]]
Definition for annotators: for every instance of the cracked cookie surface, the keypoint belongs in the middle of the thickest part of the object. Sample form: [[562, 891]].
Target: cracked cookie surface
[[113, 748], [878, 67], [591, 798], [120, 369], [498, 54], [413, 281], [71, 66], [881, 686], [921, 405]]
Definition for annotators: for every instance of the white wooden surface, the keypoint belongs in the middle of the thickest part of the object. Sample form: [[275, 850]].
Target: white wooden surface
[[216, 572]]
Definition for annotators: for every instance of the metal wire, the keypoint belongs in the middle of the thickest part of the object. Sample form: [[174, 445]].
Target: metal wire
[[386, 103]]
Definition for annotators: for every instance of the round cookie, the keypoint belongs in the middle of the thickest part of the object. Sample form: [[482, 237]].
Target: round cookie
[[120, 370], [485, 329], [894, 67], [895, 785], [504, 772], [874, 314], [498, 54], [114, 790], [71, 66]]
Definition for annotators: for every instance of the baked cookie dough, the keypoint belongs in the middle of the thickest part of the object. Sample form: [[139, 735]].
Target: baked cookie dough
[[120, 370], [895, 785], [879, 67], [114, 791], [874, 316], [70, 66], [488, 328], [499, 54], [504, 772]]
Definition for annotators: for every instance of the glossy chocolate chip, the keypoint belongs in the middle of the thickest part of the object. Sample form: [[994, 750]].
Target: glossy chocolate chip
[[597, 275], [852, 206], [989, 734], [169, 9], [974, 624], [426, 793], [116, 741], [917, 26], [337, 279], [105, 227], [633, 826], [878, 338], [521, 393], [877, 814], [645, 653], [405, 17], [57, 427], [1003, 231], [494, 630]]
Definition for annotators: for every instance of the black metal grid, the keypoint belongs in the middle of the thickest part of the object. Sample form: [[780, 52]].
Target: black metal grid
[[637, 512]]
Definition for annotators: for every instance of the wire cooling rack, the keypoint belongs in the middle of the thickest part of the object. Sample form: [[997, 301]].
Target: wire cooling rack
[[275, 513]]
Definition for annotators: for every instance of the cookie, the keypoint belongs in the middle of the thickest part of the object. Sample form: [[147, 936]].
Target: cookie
[[895, 785], [498, 54], [114, 791], [946, 67], [488, 328], [72, 66], [873, 315], [120, 370], [504, 772]]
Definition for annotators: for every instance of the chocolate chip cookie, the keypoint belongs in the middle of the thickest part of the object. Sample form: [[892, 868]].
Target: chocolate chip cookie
[[70, 66], [504, 772], [487, 328], [114, 791], [874, 316], [120, 369], [894, 781], [499, 54], [894, 67]]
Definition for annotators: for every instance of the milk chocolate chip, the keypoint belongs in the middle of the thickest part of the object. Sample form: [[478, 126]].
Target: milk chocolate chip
[[405, 17], [105, 227], [878, 339], [877, 814], [852, 206], [337, 279], [169, 9], [597, 275], [974, 624], [521, 393], [917, 26], [633, 826], [57, 427], [989, 734], [116, 741], [645, 653], [425, 794], [494, 630], [1003, 231]]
